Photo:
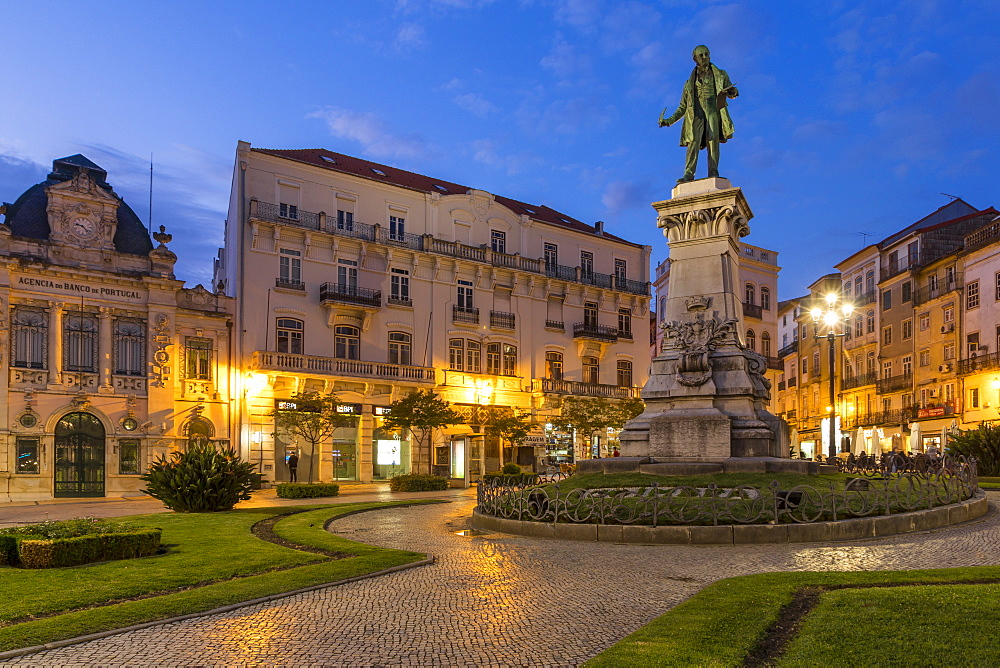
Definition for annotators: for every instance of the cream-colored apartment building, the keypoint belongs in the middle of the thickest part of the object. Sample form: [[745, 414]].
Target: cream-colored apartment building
[[370, 282]]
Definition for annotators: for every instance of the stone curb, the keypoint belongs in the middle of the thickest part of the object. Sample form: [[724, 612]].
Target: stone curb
[[14, 653], [744, 534]]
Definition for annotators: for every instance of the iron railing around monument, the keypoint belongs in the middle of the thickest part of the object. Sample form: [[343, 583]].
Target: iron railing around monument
[[879, 490]]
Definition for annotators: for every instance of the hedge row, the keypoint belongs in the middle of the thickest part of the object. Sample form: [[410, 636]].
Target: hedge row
[[301, 490], [417, 483], [31, 552]]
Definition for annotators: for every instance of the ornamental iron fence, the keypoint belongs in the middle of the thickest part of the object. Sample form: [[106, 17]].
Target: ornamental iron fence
[[884, 486]]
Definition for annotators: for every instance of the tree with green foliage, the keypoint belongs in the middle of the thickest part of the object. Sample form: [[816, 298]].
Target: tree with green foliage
[[312, 417], [200, 480], [512, 429], [588, 416], [421, 411], [982, 443]]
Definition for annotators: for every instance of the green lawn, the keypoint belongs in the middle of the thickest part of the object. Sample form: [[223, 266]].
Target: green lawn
[[211, 560], [928, 625]]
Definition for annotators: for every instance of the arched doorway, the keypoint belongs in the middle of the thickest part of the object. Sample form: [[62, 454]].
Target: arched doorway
[[79, 467], [199, 431]]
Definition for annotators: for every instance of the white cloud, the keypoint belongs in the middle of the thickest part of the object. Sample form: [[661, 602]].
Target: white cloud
[[410, 36], [369, 130], [621, 195], [564, 60], [485, 152], [475, 104]]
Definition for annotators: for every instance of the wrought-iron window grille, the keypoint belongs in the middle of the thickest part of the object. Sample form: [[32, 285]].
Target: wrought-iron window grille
[[27, 456], [129, 347], [198, 358], [80, 343], [30, 336]]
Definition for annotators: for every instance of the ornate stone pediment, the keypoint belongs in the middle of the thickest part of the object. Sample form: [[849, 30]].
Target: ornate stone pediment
[[696, 339]]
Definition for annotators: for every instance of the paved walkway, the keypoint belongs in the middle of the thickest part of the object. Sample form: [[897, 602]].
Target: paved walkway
[[13, 514], [494, 600]]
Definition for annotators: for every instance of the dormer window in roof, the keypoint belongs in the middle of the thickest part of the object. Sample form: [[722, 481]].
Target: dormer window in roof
[[328, 159], [531, 211], [441, 188], [378, 171]]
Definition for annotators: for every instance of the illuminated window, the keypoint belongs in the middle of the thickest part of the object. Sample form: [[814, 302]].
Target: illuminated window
[[591, 370], [198, 358], [474, 356]]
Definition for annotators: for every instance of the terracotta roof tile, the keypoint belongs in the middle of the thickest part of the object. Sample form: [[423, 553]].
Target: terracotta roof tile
[[347, 164]]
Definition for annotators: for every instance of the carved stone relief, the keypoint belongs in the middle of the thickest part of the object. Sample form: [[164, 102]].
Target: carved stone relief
[[696, 339]]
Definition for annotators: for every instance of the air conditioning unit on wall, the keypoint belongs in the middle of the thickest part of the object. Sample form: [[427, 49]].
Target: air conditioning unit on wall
[[944, 368], [933, 394]]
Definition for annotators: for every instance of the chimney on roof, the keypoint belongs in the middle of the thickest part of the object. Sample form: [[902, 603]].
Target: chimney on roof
[[599, 228]]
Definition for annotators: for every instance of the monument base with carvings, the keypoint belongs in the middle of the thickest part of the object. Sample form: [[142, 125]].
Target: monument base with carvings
[[706, 394]]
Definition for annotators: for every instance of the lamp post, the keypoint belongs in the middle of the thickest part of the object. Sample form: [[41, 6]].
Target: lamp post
[[837, 311]]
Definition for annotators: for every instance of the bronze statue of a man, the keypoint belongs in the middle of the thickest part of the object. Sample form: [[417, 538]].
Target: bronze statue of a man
[[706, 115]]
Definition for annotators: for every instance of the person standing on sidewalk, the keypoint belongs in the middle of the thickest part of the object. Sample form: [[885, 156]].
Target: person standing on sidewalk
[[293, 465]]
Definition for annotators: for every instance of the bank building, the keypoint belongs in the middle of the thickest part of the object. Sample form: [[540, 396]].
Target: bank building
[[109, 360], [369, 281]]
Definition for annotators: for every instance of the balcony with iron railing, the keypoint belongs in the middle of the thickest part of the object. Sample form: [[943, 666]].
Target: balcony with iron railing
[[939, 289], [863, 299], [350, 294], [775, 364], [263, 360], [857, 380], [289, 284], [781, 386], [576, 388], [894, 383], [789, 349], [502, 320], [896, 416], [753, 311], [555, 324], [465, 315], [792, 382], [979, 363], [285, 215], [400, 301], [589, 330], [625, 334]]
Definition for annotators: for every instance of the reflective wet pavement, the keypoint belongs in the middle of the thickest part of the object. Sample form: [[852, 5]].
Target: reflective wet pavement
[[494, 599]]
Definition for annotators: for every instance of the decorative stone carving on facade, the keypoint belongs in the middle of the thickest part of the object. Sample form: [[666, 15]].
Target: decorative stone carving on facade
[[161, 358], [696, 339], [704, 223], [757, 366], [197, 298], [697, 303]]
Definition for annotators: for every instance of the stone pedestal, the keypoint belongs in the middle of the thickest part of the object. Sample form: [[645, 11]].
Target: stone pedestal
[[706, 392]]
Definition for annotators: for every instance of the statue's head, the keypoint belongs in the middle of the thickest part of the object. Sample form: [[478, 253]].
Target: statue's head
[[701, 56]]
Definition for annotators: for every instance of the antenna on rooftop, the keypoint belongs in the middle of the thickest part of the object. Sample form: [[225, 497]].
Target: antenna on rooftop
[[864, 236], [954, 197], [150, 221]]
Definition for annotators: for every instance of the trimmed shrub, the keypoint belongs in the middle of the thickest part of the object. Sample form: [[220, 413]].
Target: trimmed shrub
[[510, 468], [301, 490], [61, 552], [201, 480], [8, 550], [418, 483], [499, 477]]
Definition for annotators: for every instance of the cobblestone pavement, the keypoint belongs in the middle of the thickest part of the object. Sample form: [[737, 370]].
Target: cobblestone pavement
[[494, 600], [13, 514]]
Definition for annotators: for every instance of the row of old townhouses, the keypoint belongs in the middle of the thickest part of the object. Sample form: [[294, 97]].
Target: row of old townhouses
[[919, 356], [337, 275]]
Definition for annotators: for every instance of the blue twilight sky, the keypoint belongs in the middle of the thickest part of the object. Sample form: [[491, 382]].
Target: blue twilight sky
[[853, 117]]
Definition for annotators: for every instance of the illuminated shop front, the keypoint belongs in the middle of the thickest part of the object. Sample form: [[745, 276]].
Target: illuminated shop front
[[390, 449], [558, 445]]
